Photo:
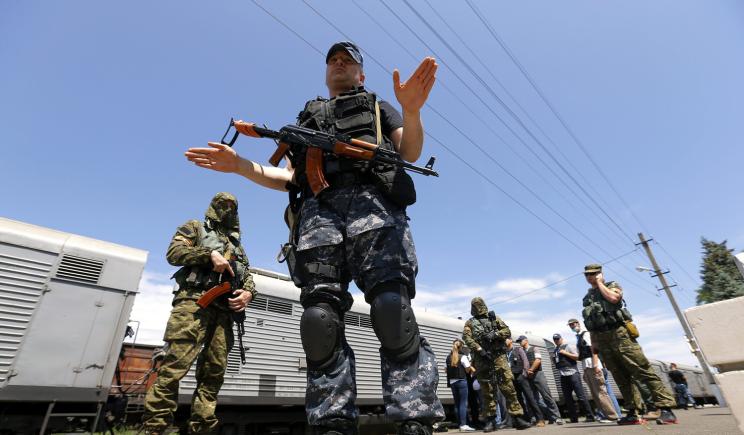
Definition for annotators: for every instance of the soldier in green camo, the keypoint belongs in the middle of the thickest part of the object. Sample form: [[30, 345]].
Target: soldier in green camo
[[614, 339], [204, 251], [485, 334]]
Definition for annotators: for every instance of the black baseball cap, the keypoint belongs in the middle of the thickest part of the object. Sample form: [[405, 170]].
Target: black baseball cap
[[348, 47], [556, 337], [521, 337]]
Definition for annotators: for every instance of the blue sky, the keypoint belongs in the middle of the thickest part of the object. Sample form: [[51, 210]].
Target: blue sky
[[100, 100]]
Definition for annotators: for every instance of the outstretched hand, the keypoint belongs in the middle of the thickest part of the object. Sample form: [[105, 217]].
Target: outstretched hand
[[412, 94], [219, 157]]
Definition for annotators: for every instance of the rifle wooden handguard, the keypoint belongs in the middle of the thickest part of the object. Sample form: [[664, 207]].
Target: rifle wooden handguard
[[213, 293], [247, 128]]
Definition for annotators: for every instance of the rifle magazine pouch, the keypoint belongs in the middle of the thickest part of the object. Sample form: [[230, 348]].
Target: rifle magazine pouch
[[395, 184]]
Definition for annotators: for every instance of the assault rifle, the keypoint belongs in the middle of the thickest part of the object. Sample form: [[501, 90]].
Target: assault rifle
[[292, 138], [224, 289]]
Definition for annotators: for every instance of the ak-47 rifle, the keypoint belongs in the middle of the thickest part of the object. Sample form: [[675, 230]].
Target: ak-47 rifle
[[227, 284], [294, 138]]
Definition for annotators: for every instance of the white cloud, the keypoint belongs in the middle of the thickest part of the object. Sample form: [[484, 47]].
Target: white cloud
[[152, 307]]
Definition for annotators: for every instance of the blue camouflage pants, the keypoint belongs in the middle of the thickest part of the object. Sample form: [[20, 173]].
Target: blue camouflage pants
[[355, 233]]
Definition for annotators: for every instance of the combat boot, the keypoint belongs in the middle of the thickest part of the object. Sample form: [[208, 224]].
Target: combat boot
[[667, 417], [413, 427], [519, 423], [652, 413]]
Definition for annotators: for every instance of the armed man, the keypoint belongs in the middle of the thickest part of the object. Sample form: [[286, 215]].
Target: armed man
[[485, 334], [355, 228], [207, 251], [613, 337]]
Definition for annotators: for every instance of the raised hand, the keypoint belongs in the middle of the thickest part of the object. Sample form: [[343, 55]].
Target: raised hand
[[219, 157], [412, 94]]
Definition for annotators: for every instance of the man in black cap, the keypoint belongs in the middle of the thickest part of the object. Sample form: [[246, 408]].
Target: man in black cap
[[538, 382], [565, 357], [356, 228]]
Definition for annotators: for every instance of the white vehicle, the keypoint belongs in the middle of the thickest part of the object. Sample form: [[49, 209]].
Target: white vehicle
[[65, 302]]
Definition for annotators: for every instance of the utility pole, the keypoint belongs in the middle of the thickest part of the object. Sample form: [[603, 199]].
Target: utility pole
[[688, 332]]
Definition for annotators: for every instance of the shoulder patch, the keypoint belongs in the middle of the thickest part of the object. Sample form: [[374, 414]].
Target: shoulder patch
[[188, 229], [613, 284]]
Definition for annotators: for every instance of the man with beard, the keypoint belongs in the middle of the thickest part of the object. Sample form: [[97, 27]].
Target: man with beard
[[485, 333], [205, 251]]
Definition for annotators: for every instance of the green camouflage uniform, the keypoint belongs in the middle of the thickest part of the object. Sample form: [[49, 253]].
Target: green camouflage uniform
[[621, 354], [492, 371], [192, 331]]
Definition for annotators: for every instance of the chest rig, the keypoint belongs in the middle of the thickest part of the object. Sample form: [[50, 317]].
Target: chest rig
[[354, 113], [601, 315], [192, 280]]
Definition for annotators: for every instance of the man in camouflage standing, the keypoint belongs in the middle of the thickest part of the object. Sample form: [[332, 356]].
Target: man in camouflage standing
[[356, 228], [205, 251], [485, 334], [614, 340]]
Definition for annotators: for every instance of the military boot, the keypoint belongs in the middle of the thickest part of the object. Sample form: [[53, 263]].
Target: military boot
[[413, 427]]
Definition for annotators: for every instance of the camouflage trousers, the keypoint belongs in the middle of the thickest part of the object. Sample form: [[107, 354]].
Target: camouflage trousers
[[497, 377], [408, 390], [624, 358], [356, 233], [192, 333]]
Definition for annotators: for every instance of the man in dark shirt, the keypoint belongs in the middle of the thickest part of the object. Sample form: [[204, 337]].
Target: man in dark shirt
[[682, 392], [520, 365], [538, 382]]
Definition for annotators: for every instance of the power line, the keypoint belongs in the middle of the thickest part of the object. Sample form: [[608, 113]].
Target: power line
[[515, 117], [552, 109], [479, 118]]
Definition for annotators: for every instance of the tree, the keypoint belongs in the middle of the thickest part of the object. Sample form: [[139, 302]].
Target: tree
[[721, 277]]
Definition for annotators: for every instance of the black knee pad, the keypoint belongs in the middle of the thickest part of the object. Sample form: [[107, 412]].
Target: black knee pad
[[320, 329], [394, 322]]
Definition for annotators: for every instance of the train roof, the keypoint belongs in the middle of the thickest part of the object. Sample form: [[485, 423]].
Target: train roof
[[112, 260]]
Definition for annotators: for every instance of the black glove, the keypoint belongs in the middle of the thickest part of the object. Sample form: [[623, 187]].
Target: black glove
[[482, 352]]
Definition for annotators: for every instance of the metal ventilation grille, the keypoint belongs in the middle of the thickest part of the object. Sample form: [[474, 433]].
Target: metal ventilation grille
[[233, 358], [262, 303], [358, 320], [22, 282], [80, 269]]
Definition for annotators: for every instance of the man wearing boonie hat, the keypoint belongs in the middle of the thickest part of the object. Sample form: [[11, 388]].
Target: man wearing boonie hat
[[613, 338]]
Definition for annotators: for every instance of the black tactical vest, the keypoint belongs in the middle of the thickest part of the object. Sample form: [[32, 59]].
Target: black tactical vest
[[351, 113], [563, 361], [455, 372], [514, 362], [531, 357], [585, 351]]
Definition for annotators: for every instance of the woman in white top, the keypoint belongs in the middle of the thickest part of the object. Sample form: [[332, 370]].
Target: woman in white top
[[458, 364]]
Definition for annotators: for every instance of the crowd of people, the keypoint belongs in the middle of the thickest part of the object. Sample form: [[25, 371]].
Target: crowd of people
[[501, 380]]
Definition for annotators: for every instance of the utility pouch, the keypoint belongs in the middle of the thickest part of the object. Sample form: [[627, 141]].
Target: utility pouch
[[632, 329], [395, 184], [288, 251]]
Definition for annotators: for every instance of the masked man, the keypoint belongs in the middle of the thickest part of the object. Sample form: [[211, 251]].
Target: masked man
[[485, 334], [206, 251]]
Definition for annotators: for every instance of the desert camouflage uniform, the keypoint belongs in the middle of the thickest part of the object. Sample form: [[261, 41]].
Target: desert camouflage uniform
[[493, 371], [190, 327], [622, 355], [363, 237]]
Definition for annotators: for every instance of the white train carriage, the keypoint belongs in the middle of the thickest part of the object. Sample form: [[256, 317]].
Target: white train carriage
[[65, 302]]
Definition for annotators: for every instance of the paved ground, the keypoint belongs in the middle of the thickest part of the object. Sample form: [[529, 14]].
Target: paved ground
[[711, 420]]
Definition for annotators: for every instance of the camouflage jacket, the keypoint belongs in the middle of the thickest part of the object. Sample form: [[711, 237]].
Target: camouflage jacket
[[185, 250], [475, 331]]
